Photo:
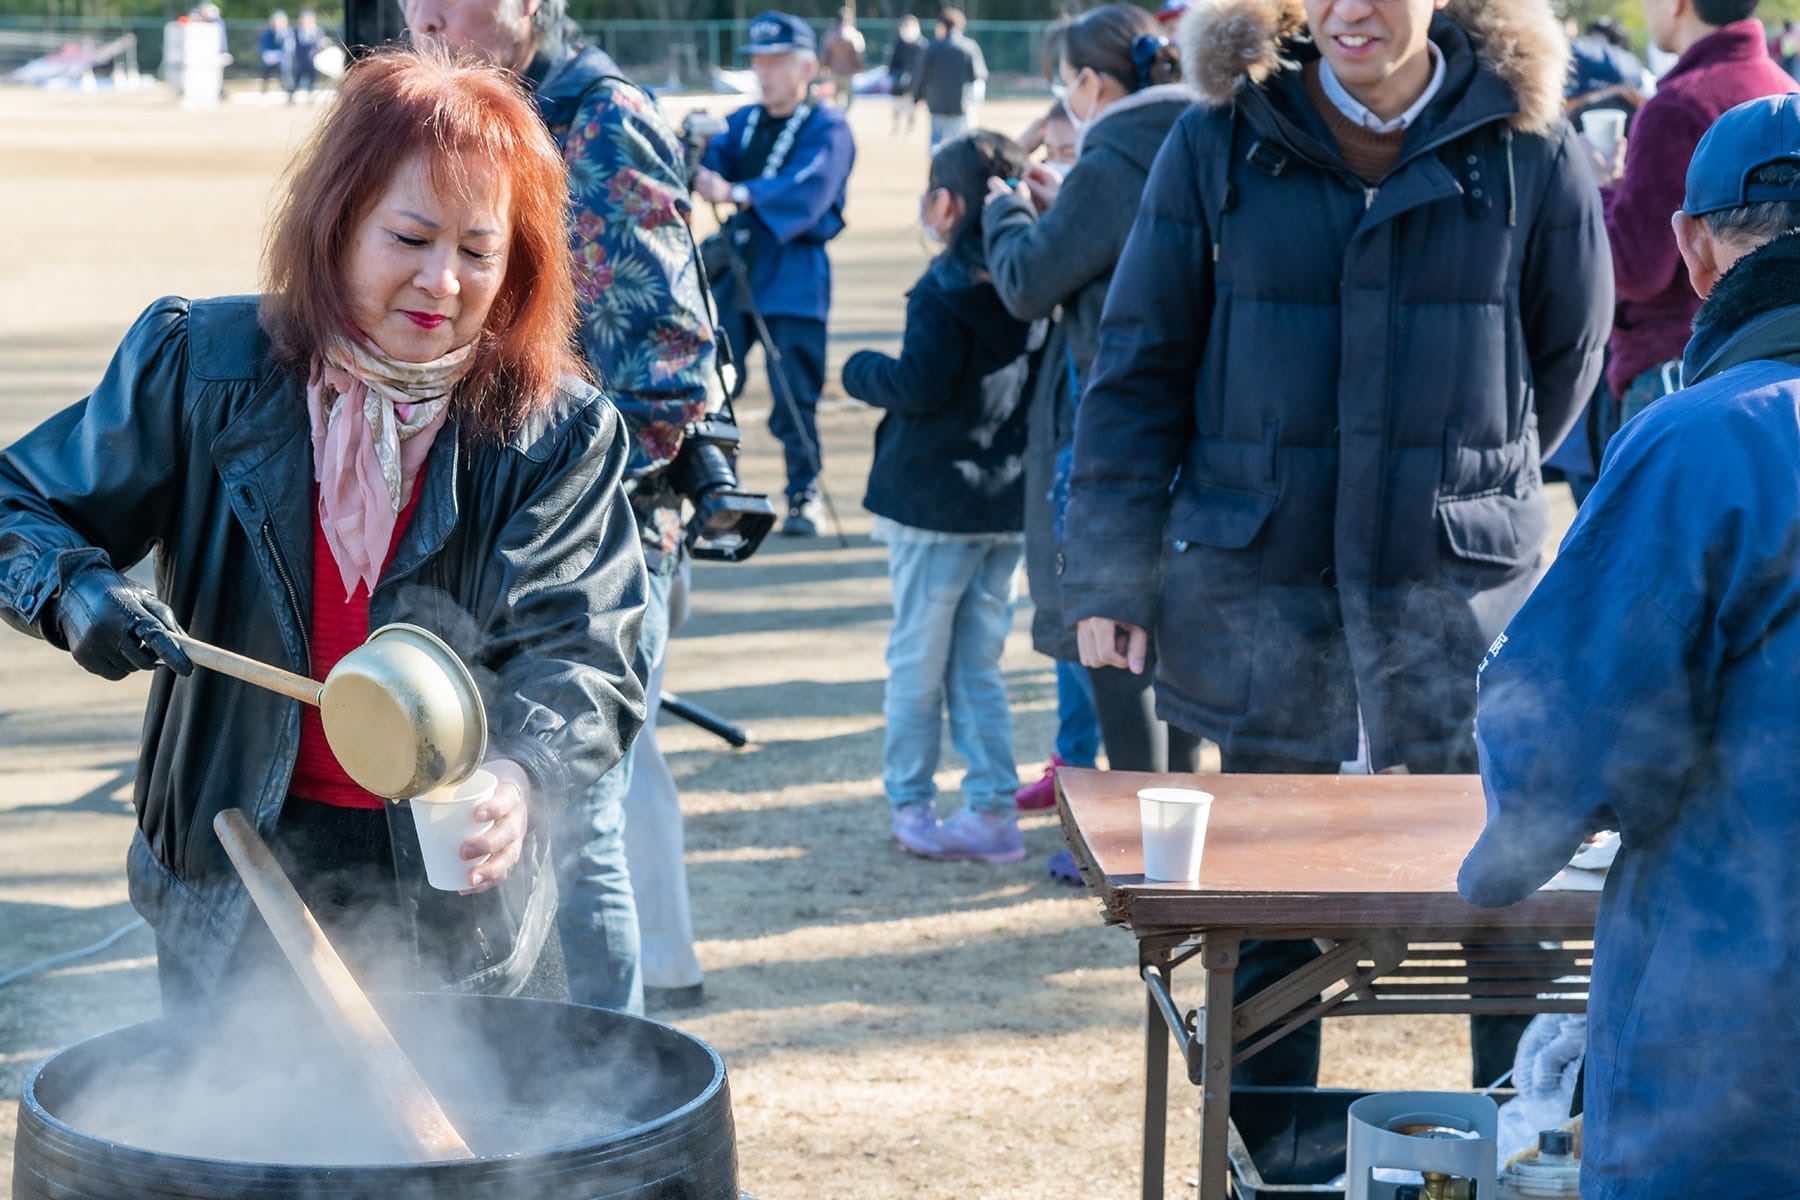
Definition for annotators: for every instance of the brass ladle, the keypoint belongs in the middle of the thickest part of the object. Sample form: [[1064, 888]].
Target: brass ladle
[[401, 711]]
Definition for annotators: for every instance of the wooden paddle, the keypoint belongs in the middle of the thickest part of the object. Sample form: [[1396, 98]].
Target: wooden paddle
[[328, 981]]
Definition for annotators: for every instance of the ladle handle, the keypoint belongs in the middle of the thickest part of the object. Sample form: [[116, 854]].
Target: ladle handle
[[286, 683], [335, 992]]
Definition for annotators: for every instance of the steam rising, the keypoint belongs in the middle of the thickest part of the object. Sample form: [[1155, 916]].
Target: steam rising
[[267, 1083]]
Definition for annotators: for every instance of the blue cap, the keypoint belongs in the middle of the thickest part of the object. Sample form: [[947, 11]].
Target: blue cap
[[779, 33], [1752, 135]]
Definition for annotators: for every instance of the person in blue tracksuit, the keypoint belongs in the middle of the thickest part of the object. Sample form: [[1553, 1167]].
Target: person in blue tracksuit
[[784, 163], [1651, 684]]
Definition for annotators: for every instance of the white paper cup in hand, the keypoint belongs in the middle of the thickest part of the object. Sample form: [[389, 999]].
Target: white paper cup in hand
[[1174, 821], [1603, 127], [445, 820]]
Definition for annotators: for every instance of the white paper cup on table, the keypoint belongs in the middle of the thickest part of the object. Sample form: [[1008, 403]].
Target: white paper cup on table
[[1174, 821], [445, 820]]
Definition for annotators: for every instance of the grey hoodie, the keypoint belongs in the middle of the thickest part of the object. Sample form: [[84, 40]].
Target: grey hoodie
[[1067, 256]]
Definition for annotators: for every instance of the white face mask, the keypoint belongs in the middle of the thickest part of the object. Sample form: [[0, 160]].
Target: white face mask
[[1080, 122], [1058, 169]]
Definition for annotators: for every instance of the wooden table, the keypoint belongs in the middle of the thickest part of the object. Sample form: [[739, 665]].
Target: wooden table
[[1363, 865]]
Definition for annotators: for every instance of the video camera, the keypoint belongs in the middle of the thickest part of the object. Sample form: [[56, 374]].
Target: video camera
[[698, 129], [728, 523]]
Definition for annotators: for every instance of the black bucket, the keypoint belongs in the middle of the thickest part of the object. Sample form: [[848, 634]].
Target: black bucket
[[560, 1101]]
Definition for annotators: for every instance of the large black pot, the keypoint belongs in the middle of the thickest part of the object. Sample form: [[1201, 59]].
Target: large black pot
[[562, 1103]]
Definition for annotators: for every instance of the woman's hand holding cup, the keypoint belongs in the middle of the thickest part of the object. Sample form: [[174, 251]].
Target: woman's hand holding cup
[[504, 841]]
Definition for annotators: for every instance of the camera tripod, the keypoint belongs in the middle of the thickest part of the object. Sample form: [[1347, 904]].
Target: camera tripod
[[784, 395], [735, 736]]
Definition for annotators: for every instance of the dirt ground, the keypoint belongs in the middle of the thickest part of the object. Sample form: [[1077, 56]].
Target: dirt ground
[[893, 1028]]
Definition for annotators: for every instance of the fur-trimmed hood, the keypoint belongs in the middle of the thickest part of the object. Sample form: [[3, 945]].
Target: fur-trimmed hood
[[1226, 44]]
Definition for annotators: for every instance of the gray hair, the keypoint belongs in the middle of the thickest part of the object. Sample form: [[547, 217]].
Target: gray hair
[[552, 17], [1765, 220]]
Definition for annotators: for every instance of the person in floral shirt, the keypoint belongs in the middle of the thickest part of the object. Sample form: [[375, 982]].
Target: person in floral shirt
[[643, 325], [646, 333]]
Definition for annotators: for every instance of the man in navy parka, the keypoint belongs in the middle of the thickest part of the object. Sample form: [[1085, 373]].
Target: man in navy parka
[[1651, 684], [1350, 319]]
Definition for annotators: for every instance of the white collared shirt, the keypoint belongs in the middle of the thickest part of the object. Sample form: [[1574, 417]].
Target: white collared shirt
[[1358, 112]]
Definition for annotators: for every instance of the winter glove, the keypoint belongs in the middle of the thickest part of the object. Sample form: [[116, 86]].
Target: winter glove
[[1550, 1052], [114, 627]]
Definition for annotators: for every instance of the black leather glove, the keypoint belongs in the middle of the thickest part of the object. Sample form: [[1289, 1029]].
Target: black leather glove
[[114, 627]]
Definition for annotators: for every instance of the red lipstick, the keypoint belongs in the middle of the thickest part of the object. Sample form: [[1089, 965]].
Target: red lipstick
[[424, 320]]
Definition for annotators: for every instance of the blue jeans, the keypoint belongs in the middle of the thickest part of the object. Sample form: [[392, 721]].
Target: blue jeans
[[1578, 458], [1077, 720], [596, 912], [953, 605]]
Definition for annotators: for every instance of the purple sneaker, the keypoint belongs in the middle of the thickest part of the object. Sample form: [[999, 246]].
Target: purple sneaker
[[914, 826], [974, 837]]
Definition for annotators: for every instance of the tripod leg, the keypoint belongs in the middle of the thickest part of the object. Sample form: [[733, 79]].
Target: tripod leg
[[784, 389], [713, 723]]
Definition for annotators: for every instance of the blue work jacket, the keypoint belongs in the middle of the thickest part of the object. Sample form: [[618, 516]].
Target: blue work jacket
[[800, 208], [1651, 684], [1307, 456]]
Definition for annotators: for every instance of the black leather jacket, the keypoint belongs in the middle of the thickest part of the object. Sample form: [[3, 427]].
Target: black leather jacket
[[523, 556]]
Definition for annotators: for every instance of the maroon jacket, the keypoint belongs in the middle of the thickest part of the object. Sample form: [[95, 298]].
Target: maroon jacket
[[1656, 303]]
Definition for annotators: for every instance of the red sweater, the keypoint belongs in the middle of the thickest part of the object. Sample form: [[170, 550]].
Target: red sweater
[[338, 627], [1656, 304]]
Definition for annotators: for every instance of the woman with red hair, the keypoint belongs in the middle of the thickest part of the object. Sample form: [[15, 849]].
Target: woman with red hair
[[395, 431]]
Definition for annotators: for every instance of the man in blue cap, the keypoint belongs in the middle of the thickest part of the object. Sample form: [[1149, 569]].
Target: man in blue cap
[[1651, 684], [784, 163]]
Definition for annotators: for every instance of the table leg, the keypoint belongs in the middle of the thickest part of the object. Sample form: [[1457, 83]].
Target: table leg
[[1219, 958], [1156, 1074]]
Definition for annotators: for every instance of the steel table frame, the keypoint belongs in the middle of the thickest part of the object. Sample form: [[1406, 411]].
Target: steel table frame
[[1357, 974], [1418, 952]]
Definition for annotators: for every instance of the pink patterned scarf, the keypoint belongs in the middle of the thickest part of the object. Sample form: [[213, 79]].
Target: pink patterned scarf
[[373, 420]]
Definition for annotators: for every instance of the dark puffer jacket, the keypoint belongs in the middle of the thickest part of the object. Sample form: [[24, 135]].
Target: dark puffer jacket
[[950, 453], [523, 556], [1309, 455]]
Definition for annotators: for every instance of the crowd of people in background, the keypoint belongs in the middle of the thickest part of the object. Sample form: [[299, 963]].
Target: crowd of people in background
[[1309, 573], [1318, 308], [288, 54]]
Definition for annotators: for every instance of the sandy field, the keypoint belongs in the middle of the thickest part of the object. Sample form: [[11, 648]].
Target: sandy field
[[893, 1027]]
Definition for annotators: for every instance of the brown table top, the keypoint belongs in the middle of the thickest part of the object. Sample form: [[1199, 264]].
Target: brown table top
[[1335, 854]]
